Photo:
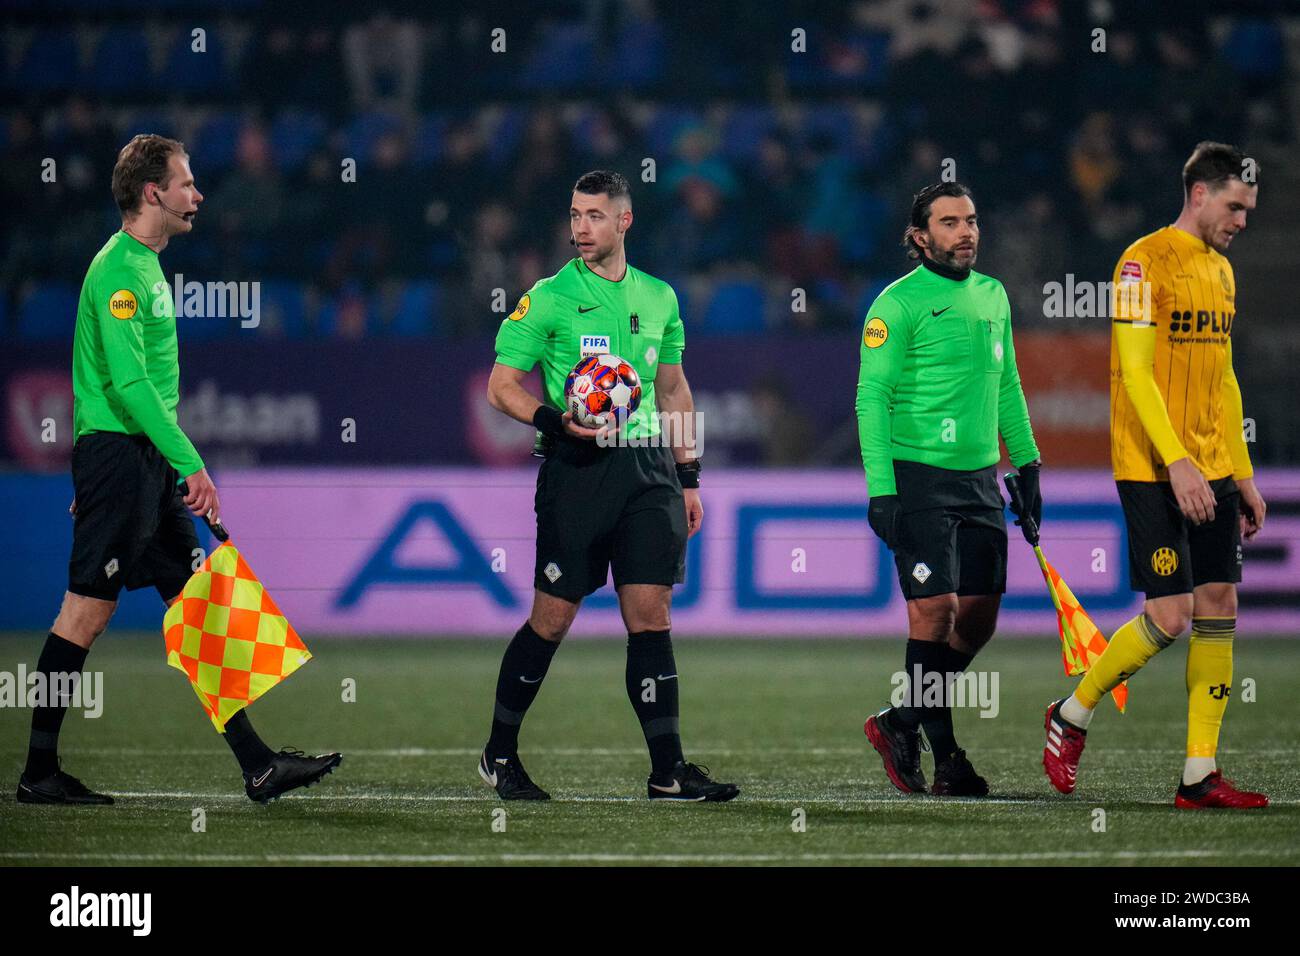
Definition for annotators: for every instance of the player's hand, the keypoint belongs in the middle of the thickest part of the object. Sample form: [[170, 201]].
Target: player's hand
[[694, 510], [201, 495], [583, 432], [1252, 508], [882, 515], [1195, 499]]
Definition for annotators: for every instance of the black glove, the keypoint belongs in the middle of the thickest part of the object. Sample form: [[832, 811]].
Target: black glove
[[1031, 497], [882, 515], [549, 421]]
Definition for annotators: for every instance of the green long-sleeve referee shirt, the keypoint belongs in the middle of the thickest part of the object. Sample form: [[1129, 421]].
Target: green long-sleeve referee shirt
[[938, 380]]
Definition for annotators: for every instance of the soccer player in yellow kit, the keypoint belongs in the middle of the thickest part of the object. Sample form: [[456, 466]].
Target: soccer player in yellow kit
[[1182, 470]]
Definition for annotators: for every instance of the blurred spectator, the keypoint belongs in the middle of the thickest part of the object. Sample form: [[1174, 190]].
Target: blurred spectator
[[786, 433], [383, 57]]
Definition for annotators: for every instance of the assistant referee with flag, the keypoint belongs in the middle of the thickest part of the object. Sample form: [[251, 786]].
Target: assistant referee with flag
[[136, 477], [938, 384]]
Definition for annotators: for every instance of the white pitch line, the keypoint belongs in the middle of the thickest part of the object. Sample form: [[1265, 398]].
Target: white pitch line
[[648, 857], [640, 751], [899, 801]]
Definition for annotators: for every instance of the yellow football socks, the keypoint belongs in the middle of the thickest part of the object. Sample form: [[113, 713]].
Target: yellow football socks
[[1209, 682], [1135, 643]]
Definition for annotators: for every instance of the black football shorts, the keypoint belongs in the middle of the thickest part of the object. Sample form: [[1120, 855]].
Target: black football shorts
[[131, 528], [599, 508], [1167, 554], [952, 534]]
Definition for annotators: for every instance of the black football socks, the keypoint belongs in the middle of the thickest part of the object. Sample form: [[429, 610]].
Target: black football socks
[[247, 747], [920, 658], [937, 721], [59, 656], [652, 688], [523, 666]]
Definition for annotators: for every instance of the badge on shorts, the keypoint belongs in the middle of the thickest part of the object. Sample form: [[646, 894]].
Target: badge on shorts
[[1164, 561], [552, 572], [594, 345], [122, 304], [110, 569], [921, 572]]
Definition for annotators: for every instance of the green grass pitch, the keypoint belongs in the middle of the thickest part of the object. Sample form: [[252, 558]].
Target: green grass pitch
[[781, 717]]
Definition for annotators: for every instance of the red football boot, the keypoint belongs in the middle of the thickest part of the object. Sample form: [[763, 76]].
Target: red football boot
[[1064, 748], [1215, 792]]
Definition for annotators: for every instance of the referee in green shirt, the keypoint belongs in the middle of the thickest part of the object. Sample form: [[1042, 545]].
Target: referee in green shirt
[[938, 383], [136, 477], [627, 505]]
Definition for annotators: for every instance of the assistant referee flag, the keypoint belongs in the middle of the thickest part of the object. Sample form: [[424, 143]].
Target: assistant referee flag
[[228, 637]]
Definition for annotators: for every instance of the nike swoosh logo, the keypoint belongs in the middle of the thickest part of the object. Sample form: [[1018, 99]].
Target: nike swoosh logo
[[525, 680], [258, 781], [675, 788], [940, 312], [582, 311], [669, 677]]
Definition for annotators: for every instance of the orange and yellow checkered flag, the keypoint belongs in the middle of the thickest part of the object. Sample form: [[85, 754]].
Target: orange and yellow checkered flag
[[1081, 641], [228, 637]]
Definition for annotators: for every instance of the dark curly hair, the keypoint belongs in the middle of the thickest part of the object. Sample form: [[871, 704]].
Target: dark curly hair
[[920, 217]]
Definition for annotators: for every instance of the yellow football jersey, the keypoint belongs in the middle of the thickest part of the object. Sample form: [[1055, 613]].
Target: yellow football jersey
[[1172, 312]]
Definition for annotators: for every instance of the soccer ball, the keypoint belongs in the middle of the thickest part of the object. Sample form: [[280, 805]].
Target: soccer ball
[[602, 390]]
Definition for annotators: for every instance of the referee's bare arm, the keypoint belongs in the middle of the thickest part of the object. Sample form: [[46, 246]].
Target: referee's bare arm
[[673, 394], [506, 393]]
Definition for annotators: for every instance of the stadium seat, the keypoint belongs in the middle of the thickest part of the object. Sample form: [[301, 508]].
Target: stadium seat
[[364, 132], [666, 124], [49, 312], [561, 58], [419, 310], [193, 72], [638, 55], [830, 122], [736, 307], [507, 134], [427, 146], [120, 63], [294, 136], [155, 120], [49, 63], [415, 310], [284, 310], [217, 140], [744, 131]]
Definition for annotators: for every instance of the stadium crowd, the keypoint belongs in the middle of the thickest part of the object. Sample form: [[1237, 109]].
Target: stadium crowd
[[759, 166]]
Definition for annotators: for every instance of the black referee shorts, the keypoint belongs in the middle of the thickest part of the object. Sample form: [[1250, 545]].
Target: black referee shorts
[[131, 528], [1167, 554], [952, 534], [602, 507]]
